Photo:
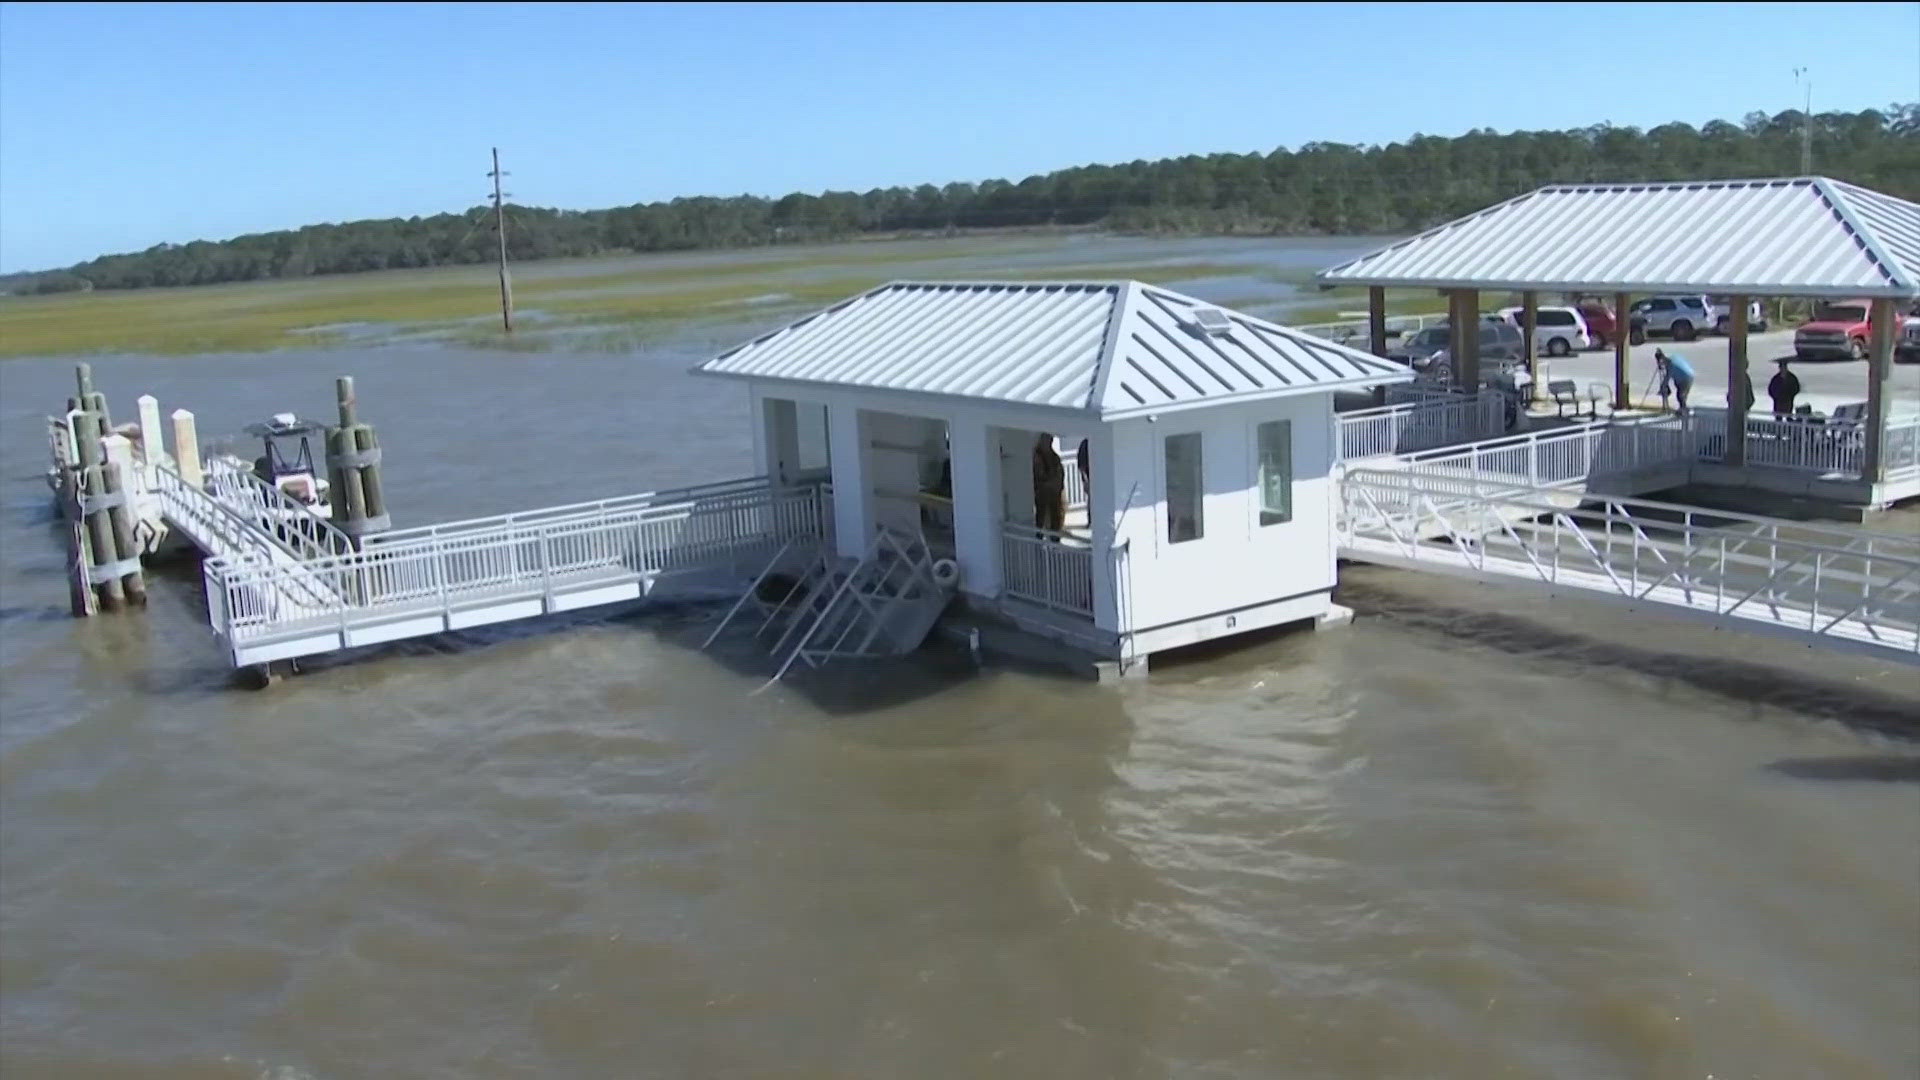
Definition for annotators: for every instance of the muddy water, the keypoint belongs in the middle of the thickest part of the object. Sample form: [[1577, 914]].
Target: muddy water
[[1471, 835]]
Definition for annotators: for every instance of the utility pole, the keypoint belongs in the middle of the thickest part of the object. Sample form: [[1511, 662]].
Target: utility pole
[[500, 227], [1806, 124]]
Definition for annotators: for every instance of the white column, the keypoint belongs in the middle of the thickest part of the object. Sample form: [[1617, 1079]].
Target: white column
[[1873, 464], [153, 444], [1102, 505], [760, 421], [186, 447], [976, 505], [1124, 495], [1014, 460], [852, 487]]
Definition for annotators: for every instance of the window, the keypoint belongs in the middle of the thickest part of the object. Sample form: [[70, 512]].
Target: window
[[1184, 489], [1659, 305], [1273, 441], [1554, 318]]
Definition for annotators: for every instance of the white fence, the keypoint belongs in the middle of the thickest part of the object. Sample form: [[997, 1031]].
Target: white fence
[[1048, 568], [1429, 420]]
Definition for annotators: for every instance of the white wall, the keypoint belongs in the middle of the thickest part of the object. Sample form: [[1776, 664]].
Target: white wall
[[1237, 563], [895, 448]]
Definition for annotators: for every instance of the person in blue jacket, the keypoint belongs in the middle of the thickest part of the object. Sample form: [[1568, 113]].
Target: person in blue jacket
[[1676, 373]]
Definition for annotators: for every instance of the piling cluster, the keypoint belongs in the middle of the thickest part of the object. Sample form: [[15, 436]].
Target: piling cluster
[[353, 468], [104, 555]]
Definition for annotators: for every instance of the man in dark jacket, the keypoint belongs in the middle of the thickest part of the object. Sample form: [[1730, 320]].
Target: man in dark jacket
[[1049, 486], [1784, 387]]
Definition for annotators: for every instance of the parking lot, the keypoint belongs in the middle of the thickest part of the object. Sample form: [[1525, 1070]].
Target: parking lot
[[1823, 383]]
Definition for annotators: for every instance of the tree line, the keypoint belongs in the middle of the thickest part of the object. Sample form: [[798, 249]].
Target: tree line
[[1320, 188]]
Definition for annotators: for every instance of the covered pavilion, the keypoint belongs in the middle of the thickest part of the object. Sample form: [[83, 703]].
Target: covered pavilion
[[1747, 239]]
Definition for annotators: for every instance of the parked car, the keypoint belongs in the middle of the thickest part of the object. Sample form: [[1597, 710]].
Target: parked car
[[1723, 323], [1906, 347], [1417, 349], [1499, 342], [1678, 317], [1839, 329], [1599, 318], [1557, 331], [1413, 349]]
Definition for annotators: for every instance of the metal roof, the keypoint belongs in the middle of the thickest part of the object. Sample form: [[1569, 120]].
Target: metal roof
[[1806, 236], [1108, 348]]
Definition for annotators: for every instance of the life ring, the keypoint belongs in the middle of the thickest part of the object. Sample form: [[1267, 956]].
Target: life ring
[[946, 573]]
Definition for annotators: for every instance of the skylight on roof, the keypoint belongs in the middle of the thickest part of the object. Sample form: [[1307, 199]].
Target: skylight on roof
[[1211, 321]]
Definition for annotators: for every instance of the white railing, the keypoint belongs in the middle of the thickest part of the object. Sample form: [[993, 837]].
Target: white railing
[[597, 508], [1847, 587], [272, 511], [1901, 450], [1076, 486], [1826, 447], [1345, 331], [1430, 420], [1048, 568], [532, 558]]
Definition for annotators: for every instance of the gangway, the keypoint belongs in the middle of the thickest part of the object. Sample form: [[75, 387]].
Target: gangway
[[517, 566], [1846, 588]]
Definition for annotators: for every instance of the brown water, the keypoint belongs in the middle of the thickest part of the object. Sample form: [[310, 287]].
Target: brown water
[[1475, 834]]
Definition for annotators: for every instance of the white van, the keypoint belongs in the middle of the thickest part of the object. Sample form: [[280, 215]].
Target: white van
[[1557, 331]]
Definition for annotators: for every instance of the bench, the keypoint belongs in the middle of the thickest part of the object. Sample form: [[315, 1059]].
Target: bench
[[1566, 393]]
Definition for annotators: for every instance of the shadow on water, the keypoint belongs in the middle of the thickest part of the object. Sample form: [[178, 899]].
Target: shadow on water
[[1755, 681], [1884, 769]]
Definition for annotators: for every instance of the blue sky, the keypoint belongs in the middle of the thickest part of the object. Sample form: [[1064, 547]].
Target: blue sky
[[125, 126]]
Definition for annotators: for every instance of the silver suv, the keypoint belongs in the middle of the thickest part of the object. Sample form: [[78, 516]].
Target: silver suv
[[1679, 317]]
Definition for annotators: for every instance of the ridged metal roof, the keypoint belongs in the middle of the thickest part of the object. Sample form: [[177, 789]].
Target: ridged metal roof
[[1113, 348], [1808, 236]]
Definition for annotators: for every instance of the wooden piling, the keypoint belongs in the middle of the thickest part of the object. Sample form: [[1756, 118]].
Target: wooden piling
[[118, 454], [93, 491], [186, 448]]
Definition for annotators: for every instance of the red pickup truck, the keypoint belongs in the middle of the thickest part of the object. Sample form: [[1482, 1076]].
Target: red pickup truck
[[1839, 329]]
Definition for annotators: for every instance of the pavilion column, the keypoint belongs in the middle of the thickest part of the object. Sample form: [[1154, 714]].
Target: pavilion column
[[1377, 332], [1463, 338], [852, 485], [1622, 319], [1737, 383], [975, 456], [1873, 464], [1536, 368]]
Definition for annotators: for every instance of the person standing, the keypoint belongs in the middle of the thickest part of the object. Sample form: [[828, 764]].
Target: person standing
[[1675, 373], [1783, 388], [1049, 486]]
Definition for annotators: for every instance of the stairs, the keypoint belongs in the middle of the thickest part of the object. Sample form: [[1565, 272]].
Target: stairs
[[882, 604]]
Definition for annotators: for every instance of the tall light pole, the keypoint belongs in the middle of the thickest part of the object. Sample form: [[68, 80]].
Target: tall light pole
[[1800, 75]]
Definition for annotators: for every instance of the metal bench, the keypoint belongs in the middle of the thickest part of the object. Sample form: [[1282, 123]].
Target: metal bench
[[1566, 393]]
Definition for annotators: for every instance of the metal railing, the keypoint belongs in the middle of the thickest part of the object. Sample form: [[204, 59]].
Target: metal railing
[[1431, 419], [1343, 331], [1901, 450], [531, 557], [1049, 568], [597, 508], [1844, 586], [293, 523]]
